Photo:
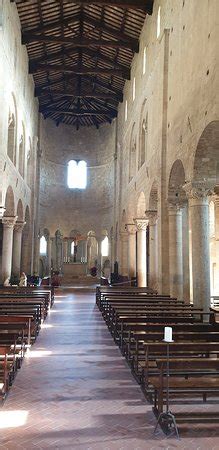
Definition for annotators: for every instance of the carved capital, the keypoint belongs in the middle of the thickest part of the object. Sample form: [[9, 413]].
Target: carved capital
[[130, 228], [141, 223], [174, 208], [151, 215], [19, 226], [198, 189], [2, 211], [9, 221]]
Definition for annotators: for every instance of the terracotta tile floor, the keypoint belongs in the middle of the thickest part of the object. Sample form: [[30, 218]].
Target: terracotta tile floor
[[74, 391]]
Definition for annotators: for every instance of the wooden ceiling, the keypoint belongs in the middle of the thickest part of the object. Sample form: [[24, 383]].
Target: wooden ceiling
[[80, 53]]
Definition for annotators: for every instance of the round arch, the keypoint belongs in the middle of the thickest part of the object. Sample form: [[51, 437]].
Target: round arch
[[9, 202]]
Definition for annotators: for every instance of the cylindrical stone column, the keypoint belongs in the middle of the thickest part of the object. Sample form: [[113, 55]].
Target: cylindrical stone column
[[131, 229], [123, 266], [49, 255], [175, 251], [16, 254], [8, 228], [216, 215], [141, 252], [153, 249], [65, 250], [185, 253], [199, 212]]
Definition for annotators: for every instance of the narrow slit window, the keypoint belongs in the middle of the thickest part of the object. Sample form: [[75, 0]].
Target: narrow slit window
[[43, 246], [126, 110], [144, 61], [72, 248], [105, 247], [158, 22], [133, 89]]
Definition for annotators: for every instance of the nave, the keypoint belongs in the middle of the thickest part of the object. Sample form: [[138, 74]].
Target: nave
[[75, 390]]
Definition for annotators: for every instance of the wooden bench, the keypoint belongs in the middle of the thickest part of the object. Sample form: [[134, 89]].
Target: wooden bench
[[190, 376]]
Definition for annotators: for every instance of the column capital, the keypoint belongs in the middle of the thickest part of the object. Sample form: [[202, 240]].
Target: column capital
[[19, 225], [9, 221], [174, 208], [141, 223], [198, 189], [151, 215], [130, 228], [2, 211]]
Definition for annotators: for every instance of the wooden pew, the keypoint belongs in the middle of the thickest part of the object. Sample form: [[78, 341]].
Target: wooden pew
[[5, 368], [193, 376]]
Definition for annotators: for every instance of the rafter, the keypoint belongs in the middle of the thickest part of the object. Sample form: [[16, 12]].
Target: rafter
[[79, 70], [70, 52], [145, 5], [109, 88], [88, 112], [82, 18], [80, 42], [71, 94]]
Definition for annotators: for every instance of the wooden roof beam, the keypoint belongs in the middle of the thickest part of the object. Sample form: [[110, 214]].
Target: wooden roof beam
[[79, 70], [70, 52], [51, 26], [88, 112], [69, 94], [81, 42], [145, 5]]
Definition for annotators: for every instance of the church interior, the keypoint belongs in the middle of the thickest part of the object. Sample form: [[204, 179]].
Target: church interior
[[109, 224]]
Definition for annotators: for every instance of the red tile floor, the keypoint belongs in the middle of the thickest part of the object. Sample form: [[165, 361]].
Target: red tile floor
[[75, 391]]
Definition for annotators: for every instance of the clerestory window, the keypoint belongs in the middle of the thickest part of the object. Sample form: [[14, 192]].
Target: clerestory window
[[77, 174]]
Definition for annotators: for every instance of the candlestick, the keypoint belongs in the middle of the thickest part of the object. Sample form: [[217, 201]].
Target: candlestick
[[168, 334]]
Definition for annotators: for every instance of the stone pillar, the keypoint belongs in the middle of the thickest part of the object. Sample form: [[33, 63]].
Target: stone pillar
[[175, 251], [65, 250], [49, 255], [216, 211], [123, 266], [153, 249], [141, 251], [16, 254], [131, 229], [8, 227], [36, 255], [185, 253], [198, 193]]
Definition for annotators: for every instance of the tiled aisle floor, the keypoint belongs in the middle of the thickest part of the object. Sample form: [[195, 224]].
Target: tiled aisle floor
[[75, 391]]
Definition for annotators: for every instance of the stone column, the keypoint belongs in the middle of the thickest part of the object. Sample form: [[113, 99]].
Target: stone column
[[141, 251], [198, 193], [8, 228], [153, 249], [175, 251], [65, 250], [16, 254], [185, 253], [131, 229], [123, 266], [36, 254], [216, 211], [49, 255]]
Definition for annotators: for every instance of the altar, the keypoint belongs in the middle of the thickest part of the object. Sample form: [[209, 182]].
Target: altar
[[74, 270]]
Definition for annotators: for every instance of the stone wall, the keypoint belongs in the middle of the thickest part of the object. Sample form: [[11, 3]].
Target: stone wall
[[17, 99], [67, 209]]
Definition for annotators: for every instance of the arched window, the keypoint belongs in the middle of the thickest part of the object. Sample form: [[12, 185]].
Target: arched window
[[133, 89], [72, 248], [132, 155], [144, 61], [143, 142], [43, 246], [22, 152], [11, 137], [158, 22], [77, 174], [29, 163], [105, 246]]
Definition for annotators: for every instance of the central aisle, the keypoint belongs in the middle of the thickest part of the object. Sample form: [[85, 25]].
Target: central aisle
[[75, 391]]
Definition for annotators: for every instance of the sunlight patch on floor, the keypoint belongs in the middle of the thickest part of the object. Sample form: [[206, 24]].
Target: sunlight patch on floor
[[13, 419]]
